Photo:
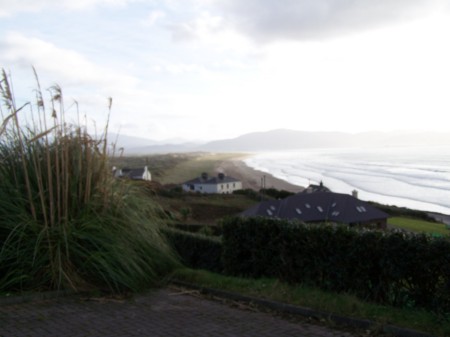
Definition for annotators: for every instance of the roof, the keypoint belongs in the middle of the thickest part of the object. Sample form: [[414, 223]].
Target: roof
[[212, 180], [133, 173], [318, 207], [316, 188]]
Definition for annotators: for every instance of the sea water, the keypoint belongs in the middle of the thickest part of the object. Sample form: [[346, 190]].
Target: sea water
[[413, 177]]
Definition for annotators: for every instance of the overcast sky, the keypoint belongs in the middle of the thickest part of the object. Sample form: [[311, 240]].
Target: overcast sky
[[211, 69]]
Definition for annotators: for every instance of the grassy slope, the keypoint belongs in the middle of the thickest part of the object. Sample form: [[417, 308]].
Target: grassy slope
[[194, 166], [206, 210], [176, 168], [419, 226], [342, 304]]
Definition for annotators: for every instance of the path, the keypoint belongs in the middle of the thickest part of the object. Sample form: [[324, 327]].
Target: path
[[163, 312]]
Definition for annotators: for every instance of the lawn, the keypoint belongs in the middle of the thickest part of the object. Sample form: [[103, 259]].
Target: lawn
[[419, 226]]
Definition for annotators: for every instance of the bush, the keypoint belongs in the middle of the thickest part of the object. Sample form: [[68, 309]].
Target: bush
[[390, 268], [195, 250], [251, 246], [252, 194], [274, 193]]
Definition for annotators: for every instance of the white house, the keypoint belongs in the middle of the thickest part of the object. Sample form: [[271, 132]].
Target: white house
[[220, 184], [141, 173]]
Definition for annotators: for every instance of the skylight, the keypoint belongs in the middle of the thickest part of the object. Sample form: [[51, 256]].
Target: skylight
[[298, 210], [320, 209], [333, 205], [272, 208], [269, 212], [335, 213], [361, 209], [308, 205]]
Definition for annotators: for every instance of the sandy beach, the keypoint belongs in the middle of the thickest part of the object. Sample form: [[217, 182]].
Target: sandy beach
[[251, 178]]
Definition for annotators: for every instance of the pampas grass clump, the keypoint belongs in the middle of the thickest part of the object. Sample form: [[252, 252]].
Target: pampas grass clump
[[65, 222]]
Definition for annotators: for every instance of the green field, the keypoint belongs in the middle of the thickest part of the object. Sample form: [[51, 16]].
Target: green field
[[419, 226], [194, 166], [176, 168]]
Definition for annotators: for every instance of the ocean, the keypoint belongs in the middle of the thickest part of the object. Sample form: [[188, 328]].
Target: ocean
[[413, 177]]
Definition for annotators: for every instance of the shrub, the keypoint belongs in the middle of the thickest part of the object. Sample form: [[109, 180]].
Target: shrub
[[251, 246], [274, 193], [392, 268], [64, 221], [249, 193], [196, 250]]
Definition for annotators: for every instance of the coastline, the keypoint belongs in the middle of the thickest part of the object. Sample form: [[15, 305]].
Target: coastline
[[252, 178]]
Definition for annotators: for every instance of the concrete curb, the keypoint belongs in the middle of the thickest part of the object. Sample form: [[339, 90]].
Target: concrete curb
[[307, 312]]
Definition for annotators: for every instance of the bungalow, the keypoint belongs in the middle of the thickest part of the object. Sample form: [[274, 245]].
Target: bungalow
[[141, 173], [321, 207], [221, 184]]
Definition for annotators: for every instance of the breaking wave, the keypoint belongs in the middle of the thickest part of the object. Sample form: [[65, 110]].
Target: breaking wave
[[413, 177]]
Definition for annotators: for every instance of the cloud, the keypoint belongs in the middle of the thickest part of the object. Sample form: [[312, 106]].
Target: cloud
[[268, 20], [89, 83], [154, 17], [73, 68], [8, 7]]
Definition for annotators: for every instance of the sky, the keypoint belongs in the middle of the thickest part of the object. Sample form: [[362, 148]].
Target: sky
[[215, 69]]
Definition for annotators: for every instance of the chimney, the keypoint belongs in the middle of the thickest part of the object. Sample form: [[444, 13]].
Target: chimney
[[355, 194], [221, 176], [204, 176]]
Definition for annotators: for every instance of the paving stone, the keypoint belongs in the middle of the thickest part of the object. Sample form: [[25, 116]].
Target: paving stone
[[158, 313]]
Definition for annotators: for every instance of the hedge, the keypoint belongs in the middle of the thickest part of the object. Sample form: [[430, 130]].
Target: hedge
[[393, 268], [195, 250]]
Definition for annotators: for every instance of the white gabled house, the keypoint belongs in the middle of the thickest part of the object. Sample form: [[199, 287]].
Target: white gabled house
[[220, 184], [141, 173]]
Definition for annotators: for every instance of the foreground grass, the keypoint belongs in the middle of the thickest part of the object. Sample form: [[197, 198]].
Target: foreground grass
[[65, 222], [341, 304], [419, 226]]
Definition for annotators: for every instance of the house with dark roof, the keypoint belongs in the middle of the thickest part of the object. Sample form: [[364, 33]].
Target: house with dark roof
[[141, 173], [321, 207], [221, 184], [312, 188]]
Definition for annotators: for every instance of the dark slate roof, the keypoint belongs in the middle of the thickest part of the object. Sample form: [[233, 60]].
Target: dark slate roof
[[211, 180], [318, 207], [316, 188], [133, 173]]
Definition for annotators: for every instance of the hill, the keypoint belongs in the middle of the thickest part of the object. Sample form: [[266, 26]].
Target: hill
[[285, 139]]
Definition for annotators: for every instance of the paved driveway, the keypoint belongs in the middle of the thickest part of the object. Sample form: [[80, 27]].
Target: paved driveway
[[163, 312]]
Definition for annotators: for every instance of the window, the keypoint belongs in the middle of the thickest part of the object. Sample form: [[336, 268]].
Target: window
[[361, 209]]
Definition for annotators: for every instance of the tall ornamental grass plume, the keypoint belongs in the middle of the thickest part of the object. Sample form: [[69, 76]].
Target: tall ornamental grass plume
[[65, 222]]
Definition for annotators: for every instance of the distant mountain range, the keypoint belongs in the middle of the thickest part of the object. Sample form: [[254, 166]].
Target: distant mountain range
[[283, 139]]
